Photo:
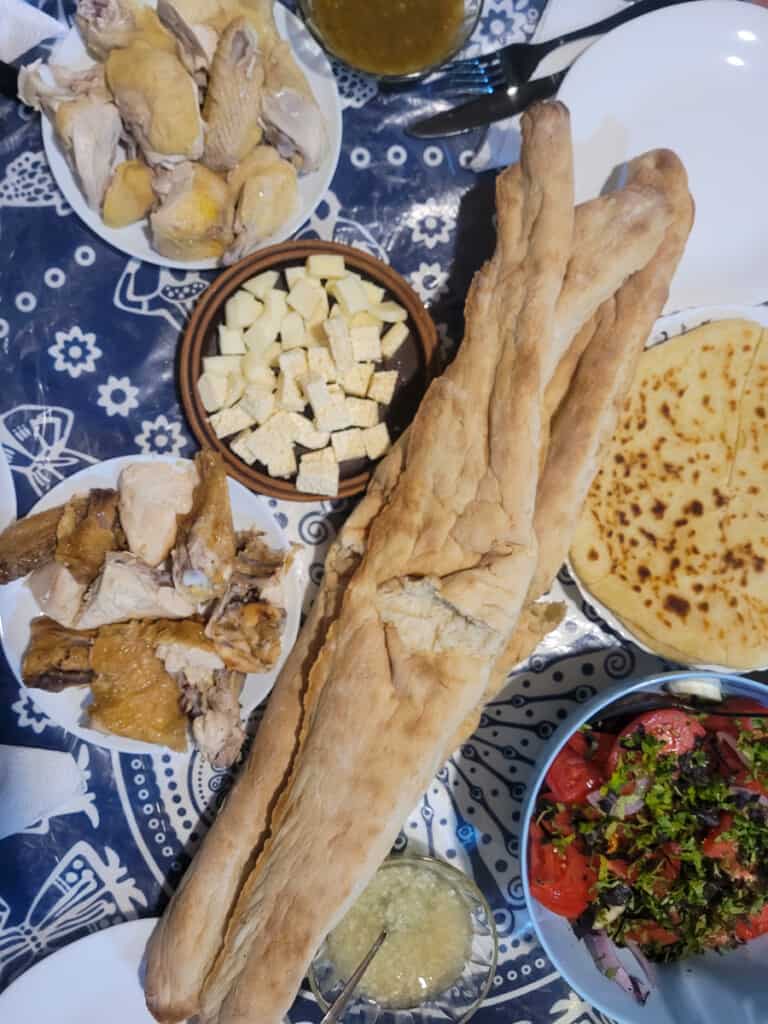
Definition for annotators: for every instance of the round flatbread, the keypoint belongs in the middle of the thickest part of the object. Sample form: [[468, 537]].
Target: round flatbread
[[673, 538]]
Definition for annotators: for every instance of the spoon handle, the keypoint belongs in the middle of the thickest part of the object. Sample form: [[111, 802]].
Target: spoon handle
[[344, 996]]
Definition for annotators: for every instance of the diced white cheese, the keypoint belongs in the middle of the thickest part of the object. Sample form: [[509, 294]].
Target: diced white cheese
[[292, 333], [241, 309], [365, 319], [376, 440], [326, 265], [262, 333], [356, 381], [365, 344], [256, 371], [293, 274], [242, 448], [293, 363], [230, 421], [304, 296], [319, 362], [335, 391], [362, 412], [351, 295], [263, 442], [275, 304], [373, 292], [259, 402], [341, 344], [335, 415], [289, 397], [303, 433], [231, 341], [235, 387], [322, 455], [393, 339], [382, 386], [348, 444], [317, 393], [262, 283], [388, 312], [212, 389], [282, 462], [318, 476], [315, 331], [336, 312], [272, 353], [221, 364]]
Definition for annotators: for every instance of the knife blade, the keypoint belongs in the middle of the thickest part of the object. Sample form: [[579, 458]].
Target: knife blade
[[495, 107]]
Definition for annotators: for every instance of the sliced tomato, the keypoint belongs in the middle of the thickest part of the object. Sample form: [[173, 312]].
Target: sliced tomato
[[622, 869], [602, 745], [572, 777], [717, 847], [754, 926], [667, 872], [677, 730], [745, 781], [561, 881], [647, 933], [723, 723]]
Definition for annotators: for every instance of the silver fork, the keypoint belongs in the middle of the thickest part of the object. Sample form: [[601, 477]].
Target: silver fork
[[514, 64]]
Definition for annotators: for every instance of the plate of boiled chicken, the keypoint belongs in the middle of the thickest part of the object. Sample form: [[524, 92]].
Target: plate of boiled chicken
[[150, 602], [188, 133]]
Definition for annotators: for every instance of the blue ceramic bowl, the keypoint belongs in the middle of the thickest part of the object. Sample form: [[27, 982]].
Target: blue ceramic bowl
[[729, 988]]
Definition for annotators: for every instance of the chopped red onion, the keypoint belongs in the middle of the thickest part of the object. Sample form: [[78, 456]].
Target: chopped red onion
[[647, 967], [603, 952], [730, 741]]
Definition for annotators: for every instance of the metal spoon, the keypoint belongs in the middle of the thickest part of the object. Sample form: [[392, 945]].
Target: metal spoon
[[340, 1002]]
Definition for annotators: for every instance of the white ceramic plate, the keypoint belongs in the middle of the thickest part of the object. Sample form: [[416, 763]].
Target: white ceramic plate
[[134, 239], [7, 493], [93, 980], [694, 79], [18, 606], [670, 327]]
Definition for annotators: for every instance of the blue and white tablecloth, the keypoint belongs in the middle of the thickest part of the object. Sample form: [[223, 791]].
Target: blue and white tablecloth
[[88, 339]]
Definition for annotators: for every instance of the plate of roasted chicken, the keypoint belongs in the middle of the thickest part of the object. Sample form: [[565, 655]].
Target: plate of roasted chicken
[[188, 133], [149, 602]]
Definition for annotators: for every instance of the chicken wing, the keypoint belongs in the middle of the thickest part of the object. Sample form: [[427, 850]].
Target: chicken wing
[[195, 42], [30, 543], [232, 105], [56, 658]]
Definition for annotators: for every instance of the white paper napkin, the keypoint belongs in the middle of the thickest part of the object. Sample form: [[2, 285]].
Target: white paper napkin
[[22, 27], [35, 785], [501, 145]]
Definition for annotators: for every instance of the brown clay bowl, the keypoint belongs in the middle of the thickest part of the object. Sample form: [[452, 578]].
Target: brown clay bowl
[[413, 361]]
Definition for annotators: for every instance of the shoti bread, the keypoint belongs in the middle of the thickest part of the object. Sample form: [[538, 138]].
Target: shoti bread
[[422, 593], [674, 536]]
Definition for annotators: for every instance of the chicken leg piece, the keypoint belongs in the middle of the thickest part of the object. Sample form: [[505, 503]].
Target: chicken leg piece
[[266, 189], [194, 221], [195, 42], [232, 106]]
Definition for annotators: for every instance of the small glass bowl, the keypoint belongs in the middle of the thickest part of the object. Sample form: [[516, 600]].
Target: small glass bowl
[[472, 11], [452, 1006]]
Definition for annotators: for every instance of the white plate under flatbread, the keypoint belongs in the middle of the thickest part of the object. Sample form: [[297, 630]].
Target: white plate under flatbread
[[672, 546]]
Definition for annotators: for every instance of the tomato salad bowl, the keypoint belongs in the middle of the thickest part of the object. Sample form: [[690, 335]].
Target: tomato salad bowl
[[645, 850]]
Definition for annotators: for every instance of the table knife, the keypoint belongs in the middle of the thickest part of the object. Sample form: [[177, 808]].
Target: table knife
[[495, 107]]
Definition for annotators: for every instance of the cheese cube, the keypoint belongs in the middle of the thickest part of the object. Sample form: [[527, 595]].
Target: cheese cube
[[259, 402], [292, 332], [388, 312], [303, 433], [373, 292], [365, 344], [235, 387], [351, 295], [335, 391], [240, 310], [322, 455], [231, 341], [315, 332], [357, 380], [393, 339], [293, 363], [212, 389], [335, 415], [255, 371], [304, 296], [282, 461], [376, 440], [262, 443], [230, 421], [326, 265], [362, 412], [221, 364], [262, 283], [382, 387], [336, 313], [242, 448], [318, 476], [293, 274], [365, 320], [261, 334], [320, 363], [289, 397], [340, 344], [317, 393], [271, 354], [275, 304], [348, 444]]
